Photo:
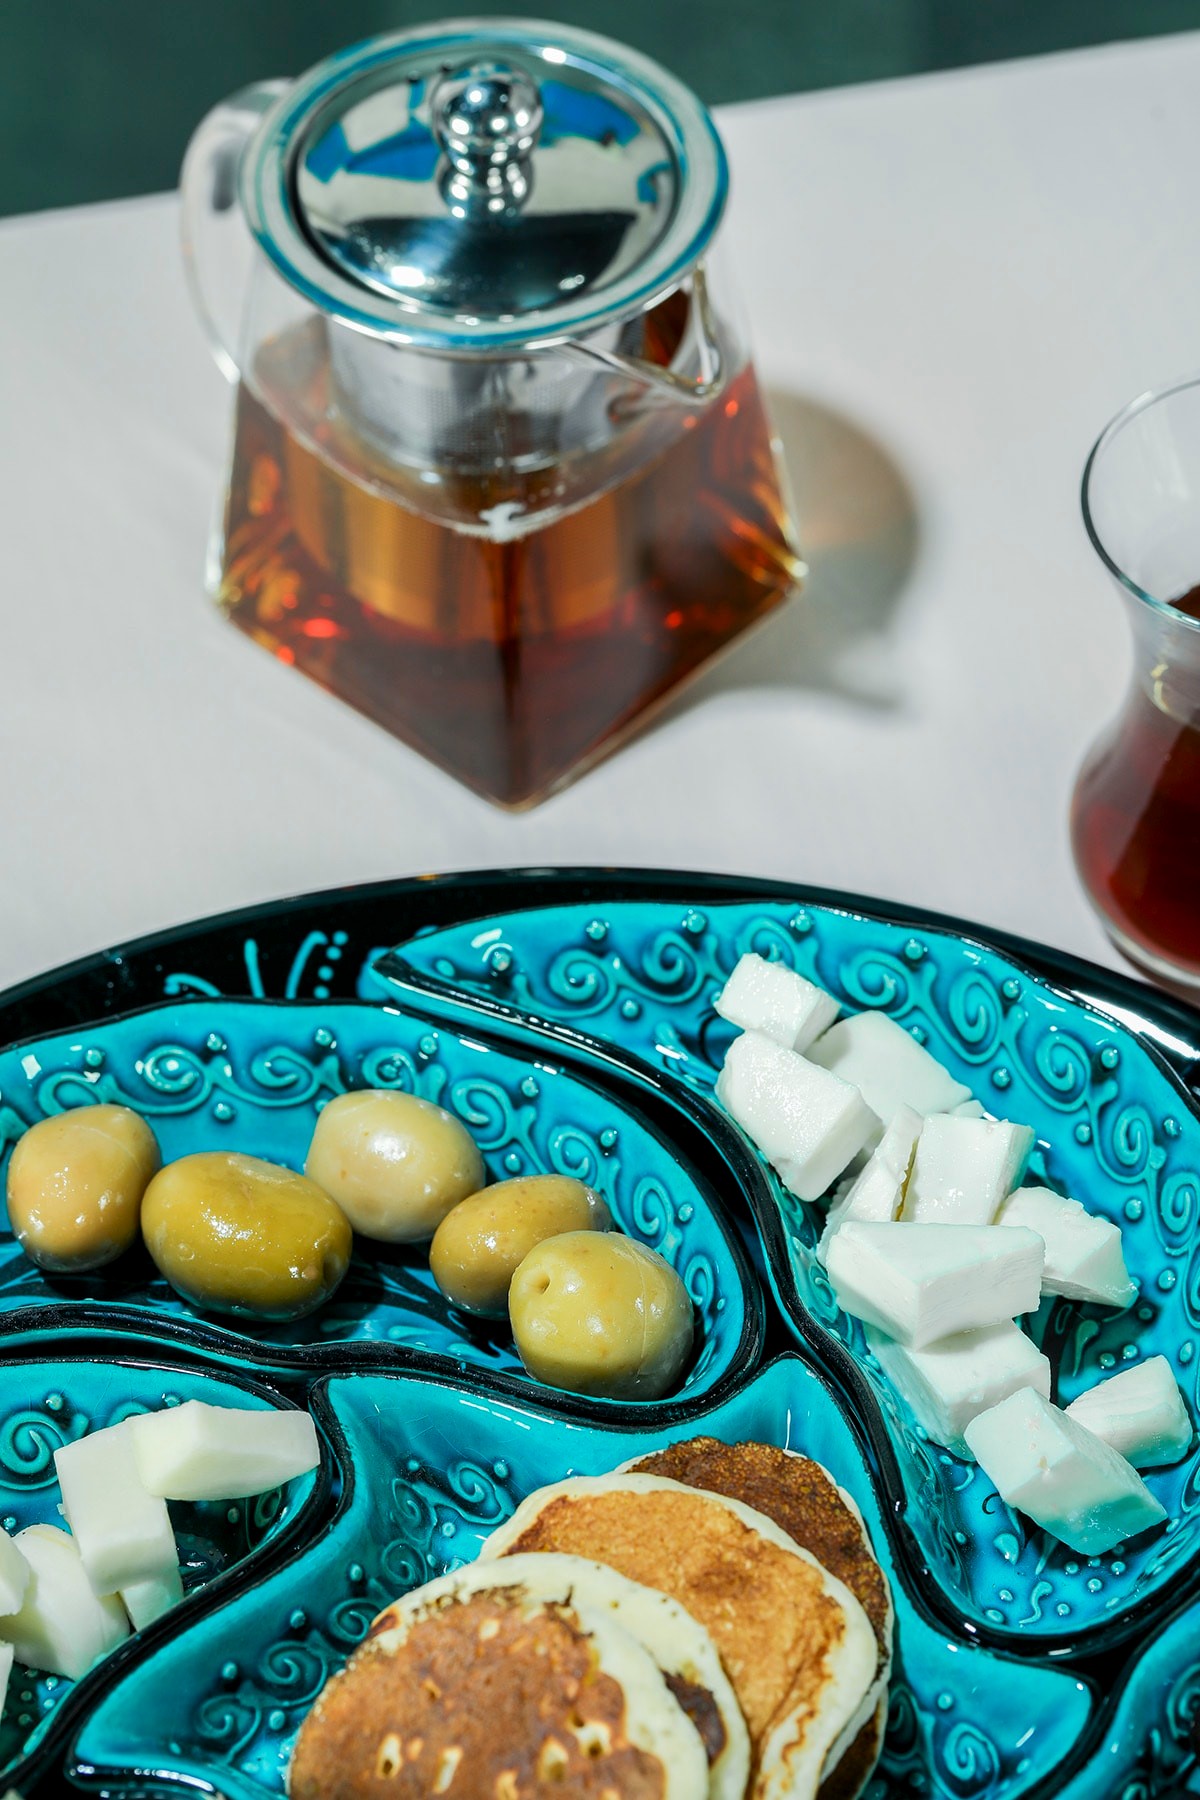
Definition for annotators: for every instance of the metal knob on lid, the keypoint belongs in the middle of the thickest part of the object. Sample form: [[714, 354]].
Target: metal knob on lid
[[487, 118]]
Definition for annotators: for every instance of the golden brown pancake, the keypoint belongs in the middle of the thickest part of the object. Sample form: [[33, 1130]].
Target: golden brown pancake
[[801, 1497], [795, 1643], [804, 1500], [687, 1673], [492, 1696]]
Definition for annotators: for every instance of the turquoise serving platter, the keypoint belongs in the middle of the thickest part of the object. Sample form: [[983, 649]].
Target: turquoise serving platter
[[428, 1471], [1115, 1128], [51, 1401], [253, 1075], [596, 986]]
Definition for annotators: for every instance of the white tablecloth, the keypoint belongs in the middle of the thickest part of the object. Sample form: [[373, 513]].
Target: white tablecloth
[[951, 282]]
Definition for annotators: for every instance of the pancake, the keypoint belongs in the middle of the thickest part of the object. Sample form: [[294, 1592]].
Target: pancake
[[796, 1644], [845, 1777], [804, 1500], [682, 1649], [478, 1689]]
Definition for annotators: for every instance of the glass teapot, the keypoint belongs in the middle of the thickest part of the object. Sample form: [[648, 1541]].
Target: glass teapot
[[501, 474]]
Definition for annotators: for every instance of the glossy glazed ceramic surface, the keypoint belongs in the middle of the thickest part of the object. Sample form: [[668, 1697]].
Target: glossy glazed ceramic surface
[[322, 946], [1115, 1129], [52, 1400], [1149, 1743], [1140, 1741], [433, 1469], [217, 1074]]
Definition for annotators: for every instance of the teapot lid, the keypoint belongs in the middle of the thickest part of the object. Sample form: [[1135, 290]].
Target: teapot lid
[[486, 184]]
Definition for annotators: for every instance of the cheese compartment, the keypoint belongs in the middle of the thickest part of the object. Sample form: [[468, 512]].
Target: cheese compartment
[[73, 1398], [937, 1249]]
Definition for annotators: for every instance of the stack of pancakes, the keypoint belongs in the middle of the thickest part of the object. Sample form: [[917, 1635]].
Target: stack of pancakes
[[708, 1621]]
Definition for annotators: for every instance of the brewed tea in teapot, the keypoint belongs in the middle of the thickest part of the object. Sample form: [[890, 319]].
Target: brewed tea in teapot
[[502, 476]]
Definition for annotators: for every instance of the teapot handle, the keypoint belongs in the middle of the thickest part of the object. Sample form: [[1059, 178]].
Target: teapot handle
[[712, 355], [217, 245]]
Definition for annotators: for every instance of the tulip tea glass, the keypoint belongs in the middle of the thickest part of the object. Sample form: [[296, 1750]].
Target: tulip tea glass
[[1135, 820], [501, 474]]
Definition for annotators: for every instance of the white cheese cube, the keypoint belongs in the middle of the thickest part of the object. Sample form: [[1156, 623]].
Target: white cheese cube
[[202, 1452], [124, 1533], [6, 1663], [877, 1191], [14, 1575], [63, 1625], [968, 1109], [148, 1600], [887, 1065], [1140, 1413], [765, 996], [1068, 1481], [807, 1123], [920, 1283], [964, 1169], [1085, 1259], [956, 1379]]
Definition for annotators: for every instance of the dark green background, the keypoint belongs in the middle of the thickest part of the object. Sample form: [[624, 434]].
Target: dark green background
[[97, 97]]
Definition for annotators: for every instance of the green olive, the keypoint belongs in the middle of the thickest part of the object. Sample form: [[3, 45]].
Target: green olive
[[234, 1234], [75, 1186], [479, 1245], [394, 1164], [601, 1314]]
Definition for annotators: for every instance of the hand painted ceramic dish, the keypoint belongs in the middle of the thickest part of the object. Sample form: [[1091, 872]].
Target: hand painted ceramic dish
[[1101, 1703]]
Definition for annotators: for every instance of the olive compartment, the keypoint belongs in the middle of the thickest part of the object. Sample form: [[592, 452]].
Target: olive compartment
[[252, 1076]]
